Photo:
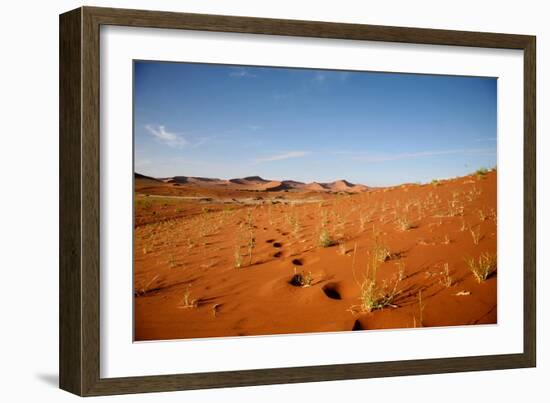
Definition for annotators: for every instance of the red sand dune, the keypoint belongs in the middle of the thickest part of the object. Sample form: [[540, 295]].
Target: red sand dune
[[190, 236]]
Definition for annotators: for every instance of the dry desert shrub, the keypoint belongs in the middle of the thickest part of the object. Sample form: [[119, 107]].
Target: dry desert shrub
[[325, 239], [476, 235], [482, 215], [446, 279], [404, 224], [301, 279], [238, 257], [373, 294], [483, 267], [187, 301], [481, 172], [342, 248]]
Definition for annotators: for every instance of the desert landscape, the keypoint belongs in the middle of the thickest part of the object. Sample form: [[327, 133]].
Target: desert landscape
[[253, 256]]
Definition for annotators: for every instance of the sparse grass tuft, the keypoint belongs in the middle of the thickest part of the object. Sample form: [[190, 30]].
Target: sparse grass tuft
[[446, 279], [251, 243], [476, 235], [342, 248], [187, 302], [401, 275], [373, 294], [483, 267], [238, 257], [482, 215], [324, 239], [435, 182], [404, 224], [481, 172], [381, 253], [301, 279]]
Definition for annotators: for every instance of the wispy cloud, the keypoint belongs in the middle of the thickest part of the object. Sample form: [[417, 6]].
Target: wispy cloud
[[254, 127], [344, 75], [283, 156], [165, 137], [240, 72], [319, 77], [202, 141], [373, 157]]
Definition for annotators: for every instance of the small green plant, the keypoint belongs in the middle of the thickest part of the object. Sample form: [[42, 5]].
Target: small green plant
[[455, 209], [324, 218], [374, 295], [250, 246], [483, 267], [404, 224], [446, 279], [476, 235], [481, 172], [493, 215], [435, 182], [324, 239], [150, 286], [187, 302], [364, 219], [172, 262], [401, 271], [381, 253], [238, 257], [301, 279], [482, 215], [342, 248]]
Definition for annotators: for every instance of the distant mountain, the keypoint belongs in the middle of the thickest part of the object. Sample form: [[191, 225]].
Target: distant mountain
[[255, 179], [315, 187], [257, 183], [145, 178], [193, 179]]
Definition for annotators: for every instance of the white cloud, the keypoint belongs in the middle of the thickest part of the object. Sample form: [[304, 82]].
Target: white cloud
[[165, 137], [240, 72], [320, 77], [283, 156], [344, 75]]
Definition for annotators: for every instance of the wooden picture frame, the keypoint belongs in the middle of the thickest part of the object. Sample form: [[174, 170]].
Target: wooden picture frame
[[79, 346]]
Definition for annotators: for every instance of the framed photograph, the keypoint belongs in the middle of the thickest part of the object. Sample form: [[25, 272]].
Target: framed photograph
[[250, 201]]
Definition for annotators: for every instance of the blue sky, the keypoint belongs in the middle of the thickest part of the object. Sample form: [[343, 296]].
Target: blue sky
[[310, 125]]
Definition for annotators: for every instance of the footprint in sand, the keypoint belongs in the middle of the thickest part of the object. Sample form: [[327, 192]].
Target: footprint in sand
[[332, 291]]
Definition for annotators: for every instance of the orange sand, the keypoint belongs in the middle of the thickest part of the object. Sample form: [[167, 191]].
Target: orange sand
[[189, 230]]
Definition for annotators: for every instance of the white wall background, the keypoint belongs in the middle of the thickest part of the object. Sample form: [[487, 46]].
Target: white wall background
[[29, 197]]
